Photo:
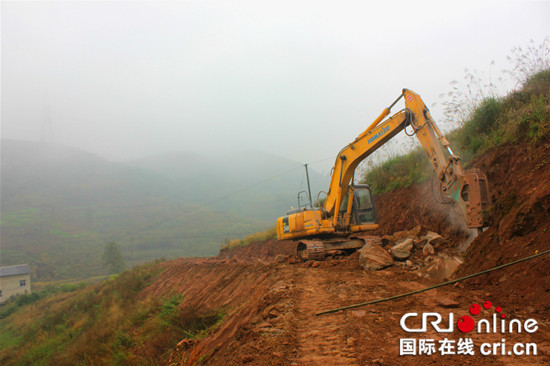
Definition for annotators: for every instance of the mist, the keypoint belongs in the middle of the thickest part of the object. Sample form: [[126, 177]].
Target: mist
[[125, 80]]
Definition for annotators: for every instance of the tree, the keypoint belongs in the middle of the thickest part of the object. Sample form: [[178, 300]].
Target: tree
[[112, 259]]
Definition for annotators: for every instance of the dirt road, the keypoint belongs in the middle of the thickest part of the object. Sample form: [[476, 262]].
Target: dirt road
[[275, 322]]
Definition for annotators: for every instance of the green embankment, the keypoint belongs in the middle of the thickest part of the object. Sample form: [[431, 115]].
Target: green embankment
[[97, 324], [258, 237]]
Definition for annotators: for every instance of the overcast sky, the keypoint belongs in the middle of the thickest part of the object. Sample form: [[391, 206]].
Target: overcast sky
[[299, 79]]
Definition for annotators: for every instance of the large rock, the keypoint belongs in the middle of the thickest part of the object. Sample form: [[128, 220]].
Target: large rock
[[400, 254], [374, 257], [405, 244], [442, 266], [402, 250], [428, 249], [434, 238], [418, 231]]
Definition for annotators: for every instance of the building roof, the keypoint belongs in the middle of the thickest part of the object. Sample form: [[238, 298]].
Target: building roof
[[15, 270]]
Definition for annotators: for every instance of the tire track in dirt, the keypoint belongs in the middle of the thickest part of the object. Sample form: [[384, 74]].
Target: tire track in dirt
[[320, 340]]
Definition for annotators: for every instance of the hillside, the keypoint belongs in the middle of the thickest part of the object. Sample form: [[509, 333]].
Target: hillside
[[258, 305], [61, 205]]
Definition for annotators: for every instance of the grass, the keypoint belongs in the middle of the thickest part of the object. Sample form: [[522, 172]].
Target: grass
[[19, 218], [521, 115], [258, 237], [400, 171], [66, 246], [16, 302], [105, 323]]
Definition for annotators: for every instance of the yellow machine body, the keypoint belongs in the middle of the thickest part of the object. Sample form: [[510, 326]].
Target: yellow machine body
[[349, 208]]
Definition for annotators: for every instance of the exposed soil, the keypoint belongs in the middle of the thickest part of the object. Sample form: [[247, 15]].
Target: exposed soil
[[520, 227], [270, 301]]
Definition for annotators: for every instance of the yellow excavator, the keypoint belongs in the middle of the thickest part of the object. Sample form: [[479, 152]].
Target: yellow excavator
[[348, 208]]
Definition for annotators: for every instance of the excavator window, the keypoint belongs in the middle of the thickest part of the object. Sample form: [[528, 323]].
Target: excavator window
[[363, 206]]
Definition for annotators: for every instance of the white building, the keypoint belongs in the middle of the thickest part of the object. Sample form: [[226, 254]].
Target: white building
[[14, 280]]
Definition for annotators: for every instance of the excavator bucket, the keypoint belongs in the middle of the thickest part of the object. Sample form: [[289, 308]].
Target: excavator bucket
[[475, 195]]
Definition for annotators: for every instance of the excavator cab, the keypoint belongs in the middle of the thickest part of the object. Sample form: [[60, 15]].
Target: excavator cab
[[362, 209]]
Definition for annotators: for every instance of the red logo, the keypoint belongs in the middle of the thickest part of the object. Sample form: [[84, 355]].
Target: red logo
[[466, 323]]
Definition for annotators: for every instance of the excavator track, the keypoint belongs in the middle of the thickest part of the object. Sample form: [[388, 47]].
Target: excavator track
[[317, 249], [311, 250]]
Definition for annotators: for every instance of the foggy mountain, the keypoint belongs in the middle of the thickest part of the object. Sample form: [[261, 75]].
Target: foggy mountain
[[254, 184], [35, 174], [57, 175], [60, 205]]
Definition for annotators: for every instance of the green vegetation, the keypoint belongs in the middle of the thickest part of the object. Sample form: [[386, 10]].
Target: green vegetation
[[112, 258], [113, 322], [253, 238], [19, 218], [521, 115], [61, 242], [191, 323], [19, 301], [400, 171], [60, 206]]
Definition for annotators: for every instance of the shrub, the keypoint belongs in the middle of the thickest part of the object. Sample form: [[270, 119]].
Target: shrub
[[401, 171], [253, 238]]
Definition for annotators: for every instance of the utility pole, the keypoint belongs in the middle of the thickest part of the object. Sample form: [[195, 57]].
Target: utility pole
[[308, 187]]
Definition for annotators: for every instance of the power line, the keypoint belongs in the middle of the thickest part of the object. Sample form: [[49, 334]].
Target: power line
[[251, 186], [321, 161], [260, 183], [202, 205], [435, 286]]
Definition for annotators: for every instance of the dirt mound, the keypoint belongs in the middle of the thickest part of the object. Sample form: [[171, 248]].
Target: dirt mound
[[519, 178], [406, 208], [240, 291], [520, 226], [266, 250]]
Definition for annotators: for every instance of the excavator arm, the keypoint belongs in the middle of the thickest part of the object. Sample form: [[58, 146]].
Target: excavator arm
[[468, 190], [349, 158]]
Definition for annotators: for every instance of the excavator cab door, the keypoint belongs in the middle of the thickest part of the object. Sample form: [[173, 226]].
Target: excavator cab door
[[363, 211]]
